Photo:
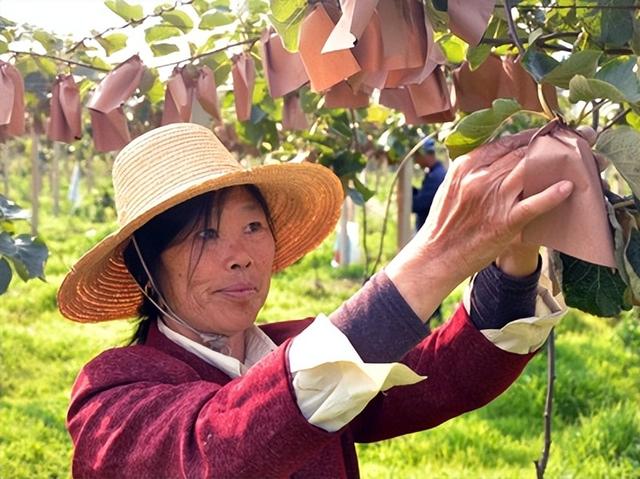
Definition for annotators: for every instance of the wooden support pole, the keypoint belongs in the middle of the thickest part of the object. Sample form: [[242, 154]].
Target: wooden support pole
[[55, 177], [35, 183], [405, 197], [5, 154]]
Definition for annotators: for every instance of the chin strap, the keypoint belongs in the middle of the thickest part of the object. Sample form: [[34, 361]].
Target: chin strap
[[217, 342]]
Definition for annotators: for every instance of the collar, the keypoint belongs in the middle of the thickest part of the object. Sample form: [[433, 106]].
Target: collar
[[257, 346]]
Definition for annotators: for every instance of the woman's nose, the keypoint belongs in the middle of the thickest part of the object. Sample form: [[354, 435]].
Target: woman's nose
[[237, 256]]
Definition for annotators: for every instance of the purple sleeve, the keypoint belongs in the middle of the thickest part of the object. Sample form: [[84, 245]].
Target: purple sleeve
[[498, 298], [379, 323]]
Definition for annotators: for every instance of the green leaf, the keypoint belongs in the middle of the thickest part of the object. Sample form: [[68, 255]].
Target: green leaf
[[455, 49], [476, 128], [538, 63], [46, 65], [11, 211], [588, 89], [161, 32], [616, 24], [284, 10], [210, 21], [620, 73], [161, 49], [621, 146], [201, 6], [592, 288], [635, 38], [366, 193], [113, 43], [5, 275], [125, 10], [633, 119], [4, 47], [28, 254], [581, 63], [179, 19], [289, 31], [5, 22], [477, 55], [48, 41], [345, 163]]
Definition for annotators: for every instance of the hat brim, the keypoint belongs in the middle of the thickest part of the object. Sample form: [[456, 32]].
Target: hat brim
[[304, 202]]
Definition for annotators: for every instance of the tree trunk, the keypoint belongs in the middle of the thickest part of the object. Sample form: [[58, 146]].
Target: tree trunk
[[35, 183], [404, 204]]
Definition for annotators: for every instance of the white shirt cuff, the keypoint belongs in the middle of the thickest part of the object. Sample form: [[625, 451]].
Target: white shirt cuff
[[332, 384], [525, 335]]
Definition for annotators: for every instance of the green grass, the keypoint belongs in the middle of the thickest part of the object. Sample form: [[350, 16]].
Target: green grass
[[596, 410]]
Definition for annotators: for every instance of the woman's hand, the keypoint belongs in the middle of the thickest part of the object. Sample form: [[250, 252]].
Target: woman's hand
[[475, 216]]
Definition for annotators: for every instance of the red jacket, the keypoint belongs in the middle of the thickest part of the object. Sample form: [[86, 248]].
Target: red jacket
[[158, 411]]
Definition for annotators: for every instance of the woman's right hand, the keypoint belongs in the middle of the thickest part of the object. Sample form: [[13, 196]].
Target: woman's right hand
[[476, 214]]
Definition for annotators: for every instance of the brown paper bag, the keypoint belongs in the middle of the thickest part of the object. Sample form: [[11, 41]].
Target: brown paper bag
[[475, 90], [517, 83], [108, 122], [432, 95], [292, 114], [178, 98], [244, 79], [579, 226], [355, 17], [342, 96], [11, 101], [284, 70], [404, 34], [323, 69], [206, 92], [65, 121], [469, 19]]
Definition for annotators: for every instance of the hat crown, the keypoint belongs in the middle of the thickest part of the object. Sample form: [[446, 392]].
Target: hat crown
[[164, 162]]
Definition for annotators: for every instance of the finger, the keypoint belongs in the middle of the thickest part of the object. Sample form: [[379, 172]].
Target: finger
[[588, 134], [496, 149], [532, 207], [513, 184]]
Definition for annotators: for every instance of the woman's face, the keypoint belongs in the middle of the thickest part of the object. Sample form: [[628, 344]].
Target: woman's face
[[229, 282]]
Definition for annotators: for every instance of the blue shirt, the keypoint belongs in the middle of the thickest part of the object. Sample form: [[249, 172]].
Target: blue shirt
[[423, 197]]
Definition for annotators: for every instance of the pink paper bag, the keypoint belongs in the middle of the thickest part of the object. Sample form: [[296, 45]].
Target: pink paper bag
[[65, 120], [244, 78]]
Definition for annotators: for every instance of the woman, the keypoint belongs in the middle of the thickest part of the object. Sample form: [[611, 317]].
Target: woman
[[205, 393]]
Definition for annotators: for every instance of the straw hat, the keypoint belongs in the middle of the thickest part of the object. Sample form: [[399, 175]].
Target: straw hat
[[174, 163]]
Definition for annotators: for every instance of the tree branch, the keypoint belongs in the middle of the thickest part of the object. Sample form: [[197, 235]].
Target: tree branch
[[541, 464], [62, 60], [614, 120], [513, 32], [129, 23]]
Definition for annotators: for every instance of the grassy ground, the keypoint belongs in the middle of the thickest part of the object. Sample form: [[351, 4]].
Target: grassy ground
[[596, 421]]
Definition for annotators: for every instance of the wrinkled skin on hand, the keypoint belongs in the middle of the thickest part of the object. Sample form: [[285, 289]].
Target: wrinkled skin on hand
[[478, 212]]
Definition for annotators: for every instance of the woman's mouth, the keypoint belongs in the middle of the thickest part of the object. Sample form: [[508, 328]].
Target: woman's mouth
[[238, 291]]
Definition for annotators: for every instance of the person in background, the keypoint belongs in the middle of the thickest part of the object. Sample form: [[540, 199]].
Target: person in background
[[434, 173]]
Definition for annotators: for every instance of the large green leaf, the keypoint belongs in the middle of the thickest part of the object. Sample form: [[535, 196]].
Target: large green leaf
[[589, 89], [581, 63], [161, 32], [113, 43], [179, 19], [5, 275], [478, 127], [538, 63], [210, 21], [127, 11], [4, 47], [621, 146], [289, 30], [616, 24], [161, 49], [592, 288], [620, 73], [28, 254], [48, 41]]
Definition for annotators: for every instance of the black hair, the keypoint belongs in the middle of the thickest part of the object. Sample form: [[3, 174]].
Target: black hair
[[166, 229]]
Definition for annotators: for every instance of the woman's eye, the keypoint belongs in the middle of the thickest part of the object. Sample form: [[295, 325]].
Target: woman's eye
[[208, 234], [254, 226]]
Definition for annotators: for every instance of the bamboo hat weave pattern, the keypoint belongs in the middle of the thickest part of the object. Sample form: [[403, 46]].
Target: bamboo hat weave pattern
[[170, 165]]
